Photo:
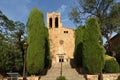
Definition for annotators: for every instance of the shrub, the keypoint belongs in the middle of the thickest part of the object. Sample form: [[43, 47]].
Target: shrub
[[93, 51], [61, 78], [111, 65]]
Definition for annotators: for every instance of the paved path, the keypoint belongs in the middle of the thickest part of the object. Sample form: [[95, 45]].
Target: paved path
[[67, 71]]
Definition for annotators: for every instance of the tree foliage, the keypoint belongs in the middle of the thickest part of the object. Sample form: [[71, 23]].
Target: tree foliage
[[111, 65], [47, 58], [5, 22], [79, 45], [11, 56], [92, 48], [36, 42], [10, 59], [19, 35], [118, 54], [106, 11]]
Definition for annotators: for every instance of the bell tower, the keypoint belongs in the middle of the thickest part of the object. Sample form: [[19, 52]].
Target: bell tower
[[61, 39], [53, 20]]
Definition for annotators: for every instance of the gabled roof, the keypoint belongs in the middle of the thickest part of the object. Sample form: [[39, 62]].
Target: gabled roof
[[116, 36]]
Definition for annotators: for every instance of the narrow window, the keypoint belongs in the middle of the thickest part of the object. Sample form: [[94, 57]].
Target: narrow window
[[65, 31], [56, 22], [50, 22]]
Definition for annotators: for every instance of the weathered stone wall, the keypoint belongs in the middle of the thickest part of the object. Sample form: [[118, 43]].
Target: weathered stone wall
[[105, 77], [30, 78], [61, 42], [61, 38]]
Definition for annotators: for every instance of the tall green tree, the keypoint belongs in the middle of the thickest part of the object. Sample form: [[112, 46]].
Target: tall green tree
[[36, 42], [10, 55], [79, 33], [93, 51], [6, 26], [106, 11], [19, 36], [10, 58], [47, 58]]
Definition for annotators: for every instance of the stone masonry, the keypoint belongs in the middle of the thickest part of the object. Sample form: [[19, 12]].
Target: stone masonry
[[62, 39]]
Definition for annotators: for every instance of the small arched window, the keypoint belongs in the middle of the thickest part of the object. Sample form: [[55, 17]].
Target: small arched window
[[50, 22], [56, 22]]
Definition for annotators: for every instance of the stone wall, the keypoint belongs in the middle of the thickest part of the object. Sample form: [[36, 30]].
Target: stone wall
[[33, 77], [61, 42], [105, 77]]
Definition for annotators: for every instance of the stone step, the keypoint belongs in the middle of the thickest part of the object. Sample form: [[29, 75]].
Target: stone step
[[67, 71]]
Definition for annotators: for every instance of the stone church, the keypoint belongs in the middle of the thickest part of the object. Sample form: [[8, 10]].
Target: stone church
[[62, 39]]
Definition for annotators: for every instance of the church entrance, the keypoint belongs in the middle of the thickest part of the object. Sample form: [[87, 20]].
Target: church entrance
[[61, 58]]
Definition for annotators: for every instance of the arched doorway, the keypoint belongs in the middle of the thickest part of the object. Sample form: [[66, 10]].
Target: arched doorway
[[61, 58]]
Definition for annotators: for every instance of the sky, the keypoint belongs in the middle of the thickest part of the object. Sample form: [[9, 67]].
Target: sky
[[18, 10]]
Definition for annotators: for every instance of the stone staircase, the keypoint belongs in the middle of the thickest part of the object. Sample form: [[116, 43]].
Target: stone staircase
[[67, 71]]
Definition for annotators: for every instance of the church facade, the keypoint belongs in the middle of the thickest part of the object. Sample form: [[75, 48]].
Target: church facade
[[62, 39]]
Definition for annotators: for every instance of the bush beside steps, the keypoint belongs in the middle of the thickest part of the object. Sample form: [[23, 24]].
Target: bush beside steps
[[61, 78]]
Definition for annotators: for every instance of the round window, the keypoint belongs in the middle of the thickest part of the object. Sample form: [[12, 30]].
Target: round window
[[61, 42]]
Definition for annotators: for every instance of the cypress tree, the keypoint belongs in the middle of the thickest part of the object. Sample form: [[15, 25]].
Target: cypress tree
[[47, 58], [93, 51], [36, 42], [78, 46]]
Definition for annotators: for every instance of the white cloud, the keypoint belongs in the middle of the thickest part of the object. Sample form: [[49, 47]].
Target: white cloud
[[62, 8]]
